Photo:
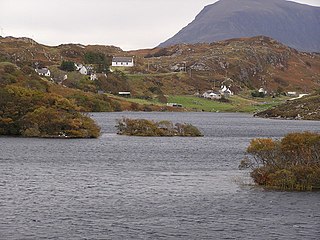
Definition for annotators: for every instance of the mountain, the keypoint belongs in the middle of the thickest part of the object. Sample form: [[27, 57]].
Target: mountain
[[293, 24]]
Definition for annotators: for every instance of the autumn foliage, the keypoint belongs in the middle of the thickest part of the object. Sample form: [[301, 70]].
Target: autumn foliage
[[27, 109], [143, 127], [292, 163], [34, 114]]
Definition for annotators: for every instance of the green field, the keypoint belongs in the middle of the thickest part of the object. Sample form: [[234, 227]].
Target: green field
[[235, 104]]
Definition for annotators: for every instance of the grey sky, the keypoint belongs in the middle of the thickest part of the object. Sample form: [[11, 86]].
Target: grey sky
[[129, 24]]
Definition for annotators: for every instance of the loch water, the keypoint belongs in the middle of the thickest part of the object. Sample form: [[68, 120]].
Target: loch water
[[120, 187]]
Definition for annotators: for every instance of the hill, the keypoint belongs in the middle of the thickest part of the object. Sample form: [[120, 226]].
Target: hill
[[27, 108], [245, 64], [293, 24], [306, 108], [25, 51]]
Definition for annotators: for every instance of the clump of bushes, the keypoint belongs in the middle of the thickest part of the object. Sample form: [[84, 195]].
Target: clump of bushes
[[292, 163], [30, 113], [143, 127], [258, 94]]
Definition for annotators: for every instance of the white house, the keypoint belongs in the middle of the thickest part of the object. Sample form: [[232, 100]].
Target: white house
[[174, 105], [292, 94], [212, 95], [43, 72], [225, 91], [262, 90], [93, 77], [83, 70], [124, 94], [122, 62], [78, 66]]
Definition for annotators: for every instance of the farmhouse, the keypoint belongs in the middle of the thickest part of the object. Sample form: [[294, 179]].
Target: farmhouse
[[225, 91], [122, 62], [211, 95], [43, 72], [124, 94]]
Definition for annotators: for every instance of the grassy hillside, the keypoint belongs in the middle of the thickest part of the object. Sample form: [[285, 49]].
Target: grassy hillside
[[306, 108], [244, 64], [28, 108], [172, 74], [32, 106]]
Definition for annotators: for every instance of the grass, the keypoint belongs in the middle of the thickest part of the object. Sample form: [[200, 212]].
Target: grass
[[237, 104], [136, 100], [192, 103]]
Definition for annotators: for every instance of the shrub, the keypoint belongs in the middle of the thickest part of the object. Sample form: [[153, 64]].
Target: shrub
[[258, 94], [291, 163], [67, 66], [32, 113], [143, 127]]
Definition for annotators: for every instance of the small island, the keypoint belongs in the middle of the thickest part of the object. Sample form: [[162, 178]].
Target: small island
[[292, 163], [148, 128]]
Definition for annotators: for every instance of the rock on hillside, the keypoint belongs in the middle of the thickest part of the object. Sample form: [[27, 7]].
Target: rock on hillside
[[293, 24]]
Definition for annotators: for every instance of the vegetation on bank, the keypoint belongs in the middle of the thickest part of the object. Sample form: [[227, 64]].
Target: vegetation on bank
[[305, 108], [31, 113], [143, 127], [292, 163], [28, 109]]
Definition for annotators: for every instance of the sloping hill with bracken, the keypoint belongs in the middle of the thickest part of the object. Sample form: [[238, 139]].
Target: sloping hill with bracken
[[245, 63]]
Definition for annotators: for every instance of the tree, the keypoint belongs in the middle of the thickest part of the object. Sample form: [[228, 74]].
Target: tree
[[67, 66], [290, 163], [101, 61]]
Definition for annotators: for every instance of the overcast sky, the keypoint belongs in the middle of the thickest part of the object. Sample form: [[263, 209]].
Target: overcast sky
[[129, 24]]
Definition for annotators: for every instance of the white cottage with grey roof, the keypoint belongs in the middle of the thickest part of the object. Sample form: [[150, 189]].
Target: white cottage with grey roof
[[122, 62], [43, 72]]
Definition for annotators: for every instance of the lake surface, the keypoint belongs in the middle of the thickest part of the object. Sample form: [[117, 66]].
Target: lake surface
[[119, 187]]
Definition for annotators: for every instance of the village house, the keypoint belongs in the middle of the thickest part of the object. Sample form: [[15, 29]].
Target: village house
[[43, 72], [122, 62], [83, 70], [262, 91], [225, 91], [292, 94], [78, 66], [124, 94], [174, 105], [93, 77], [212, 95]]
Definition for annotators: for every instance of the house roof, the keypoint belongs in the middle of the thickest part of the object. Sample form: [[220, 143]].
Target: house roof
[[122, 59], [42, 70]]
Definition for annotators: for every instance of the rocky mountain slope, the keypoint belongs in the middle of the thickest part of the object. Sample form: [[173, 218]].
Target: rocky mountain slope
[[293, 24]]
